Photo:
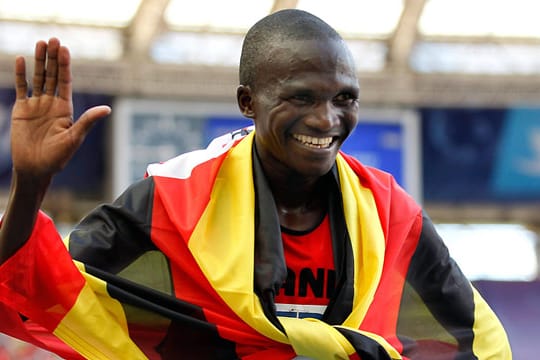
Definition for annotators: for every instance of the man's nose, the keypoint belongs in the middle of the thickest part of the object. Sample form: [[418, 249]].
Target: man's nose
[[324, 116]]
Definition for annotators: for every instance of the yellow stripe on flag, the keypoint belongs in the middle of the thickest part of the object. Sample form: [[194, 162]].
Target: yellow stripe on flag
[[315, 339], [223, 241], [367, 238], [96, 326], [490, 340]]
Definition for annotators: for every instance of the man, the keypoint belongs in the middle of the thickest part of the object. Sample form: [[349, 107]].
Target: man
[[210, 255]]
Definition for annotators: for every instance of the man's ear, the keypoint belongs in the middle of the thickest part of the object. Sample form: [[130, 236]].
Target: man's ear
[[244, 99]]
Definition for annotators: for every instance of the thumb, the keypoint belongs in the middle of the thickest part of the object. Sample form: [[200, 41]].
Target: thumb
[[82, 126]]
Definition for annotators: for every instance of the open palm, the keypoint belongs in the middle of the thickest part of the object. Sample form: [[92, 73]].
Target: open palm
[[43, 134]]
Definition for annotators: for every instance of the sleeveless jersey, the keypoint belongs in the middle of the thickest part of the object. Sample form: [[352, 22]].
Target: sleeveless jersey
[[311, 275]]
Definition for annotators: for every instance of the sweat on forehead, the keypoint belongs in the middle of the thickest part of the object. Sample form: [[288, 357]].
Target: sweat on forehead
[[284, 25]]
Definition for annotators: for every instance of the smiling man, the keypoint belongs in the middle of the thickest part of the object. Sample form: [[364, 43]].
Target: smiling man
[[269, 244]]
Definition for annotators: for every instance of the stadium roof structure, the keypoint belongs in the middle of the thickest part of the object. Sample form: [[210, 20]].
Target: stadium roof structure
[[408, 52]]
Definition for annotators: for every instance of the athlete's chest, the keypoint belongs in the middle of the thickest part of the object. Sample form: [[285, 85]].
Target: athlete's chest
[[311, 276]]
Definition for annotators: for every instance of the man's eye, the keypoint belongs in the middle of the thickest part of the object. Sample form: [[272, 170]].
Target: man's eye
[[345, 99]]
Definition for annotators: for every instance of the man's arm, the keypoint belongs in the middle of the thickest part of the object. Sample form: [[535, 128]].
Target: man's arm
[[43, 138], [453, 301]]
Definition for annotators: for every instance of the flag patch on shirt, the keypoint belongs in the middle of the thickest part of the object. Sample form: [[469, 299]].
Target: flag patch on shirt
[[300, 311]]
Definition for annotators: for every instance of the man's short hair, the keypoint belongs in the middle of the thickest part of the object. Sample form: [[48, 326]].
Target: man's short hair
[[284, 25]]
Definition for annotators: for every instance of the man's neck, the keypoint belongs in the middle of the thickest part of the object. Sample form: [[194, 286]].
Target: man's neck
[[301, 206]]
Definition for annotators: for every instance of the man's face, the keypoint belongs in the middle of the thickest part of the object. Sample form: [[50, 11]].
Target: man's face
[[305, 104]]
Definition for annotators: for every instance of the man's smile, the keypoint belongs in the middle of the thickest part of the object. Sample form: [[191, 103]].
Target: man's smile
[[314, 142]]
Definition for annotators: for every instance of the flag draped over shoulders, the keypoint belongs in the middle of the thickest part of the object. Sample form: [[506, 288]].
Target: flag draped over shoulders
[[186, 263]]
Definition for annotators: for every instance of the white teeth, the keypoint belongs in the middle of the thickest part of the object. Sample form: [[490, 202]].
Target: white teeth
[[314, 142]]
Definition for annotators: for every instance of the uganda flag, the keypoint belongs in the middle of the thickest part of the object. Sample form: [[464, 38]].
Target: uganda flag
[[186, 264]]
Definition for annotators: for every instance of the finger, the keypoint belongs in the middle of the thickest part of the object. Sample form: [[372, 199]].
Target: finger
[[82, 126], [39, 68], [51, 72], [64, 74], [21, 86]]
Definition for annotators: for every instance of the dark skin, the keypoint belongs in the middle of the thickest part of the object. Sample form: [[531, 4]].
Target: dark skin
[[304, 105], [43, 138]]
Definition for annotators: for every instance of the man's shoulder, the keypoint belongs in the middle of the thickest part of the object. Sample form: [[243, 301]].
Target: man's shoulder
[[182, 166], [366, 172], [388, 193]]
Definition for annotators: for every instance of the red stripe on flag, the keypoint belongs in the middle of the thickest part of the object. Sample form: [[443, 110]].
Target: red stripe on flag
[[34, 288]]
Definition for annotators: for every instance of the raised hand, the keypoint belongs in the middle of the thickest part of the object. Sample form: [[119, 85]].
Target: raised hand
[[44, 136]]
